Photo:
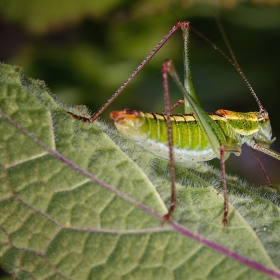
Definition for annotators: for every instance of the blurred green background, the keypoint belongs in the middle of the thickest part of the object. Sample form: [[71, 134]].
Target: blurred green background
[[84, 50]]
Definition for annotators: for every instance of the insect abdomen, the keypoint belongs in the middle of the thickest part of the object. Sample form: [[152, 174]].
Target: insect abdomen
[[186, 132], [149, 131]]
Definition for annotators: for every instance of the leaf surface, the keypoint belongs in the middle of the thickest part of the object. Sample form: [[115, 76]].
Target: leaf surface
[[79, 202]]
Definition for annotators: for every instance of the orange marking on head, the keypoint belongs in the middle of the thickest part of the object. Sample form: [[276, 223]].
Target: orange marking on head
[[235, 115], [125, 114]]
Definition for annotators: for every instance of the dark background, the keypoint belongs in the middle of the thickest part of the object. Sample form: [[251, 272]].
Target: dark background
[[85, 53]]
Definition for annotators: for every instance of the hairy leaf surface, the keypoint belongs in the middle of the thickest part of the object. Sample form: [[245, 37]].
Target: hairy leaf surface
[[79, 202]]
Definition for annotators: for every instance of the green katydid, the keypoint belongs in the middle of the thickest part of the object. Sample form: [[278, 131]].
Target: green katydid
[[194, 136]]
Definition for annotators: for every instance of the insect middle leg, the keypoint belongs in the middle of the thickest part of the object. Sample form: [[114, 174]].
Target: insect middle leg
[[208, 127], [170, 141]]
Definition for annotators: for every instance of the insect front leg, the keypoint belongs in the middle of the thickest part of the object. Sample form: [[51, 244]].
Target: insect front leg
[[268, 180], [265, 150], [258, 147]]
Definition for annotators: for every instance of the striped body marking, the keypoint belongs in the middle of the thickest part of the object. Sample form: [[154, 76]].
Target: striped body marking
[[190, 144]]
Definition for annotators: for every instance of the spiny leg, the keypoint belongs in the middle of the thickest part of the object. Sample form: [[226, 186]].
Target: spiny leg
[[132, 76], [213, 132], [176, 104], [224, 184], [222, 149], [170, 141]]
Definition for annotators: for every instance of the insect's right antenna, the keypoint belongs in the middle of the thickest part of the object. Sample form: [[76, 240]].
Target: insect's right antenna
[[232, 60], [238, 68]]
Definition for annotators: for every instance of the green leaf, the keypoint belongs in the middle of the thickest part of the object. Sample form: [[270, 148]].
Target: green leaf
[[75, 205]]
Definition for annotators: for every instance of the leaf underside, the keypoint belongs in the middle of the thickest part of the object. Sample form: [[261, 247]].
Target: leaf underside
[[56, 223]]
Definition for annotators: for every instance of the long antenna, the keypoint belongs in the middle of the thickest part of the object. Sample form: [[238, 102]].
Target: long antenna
[[232, 60]]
